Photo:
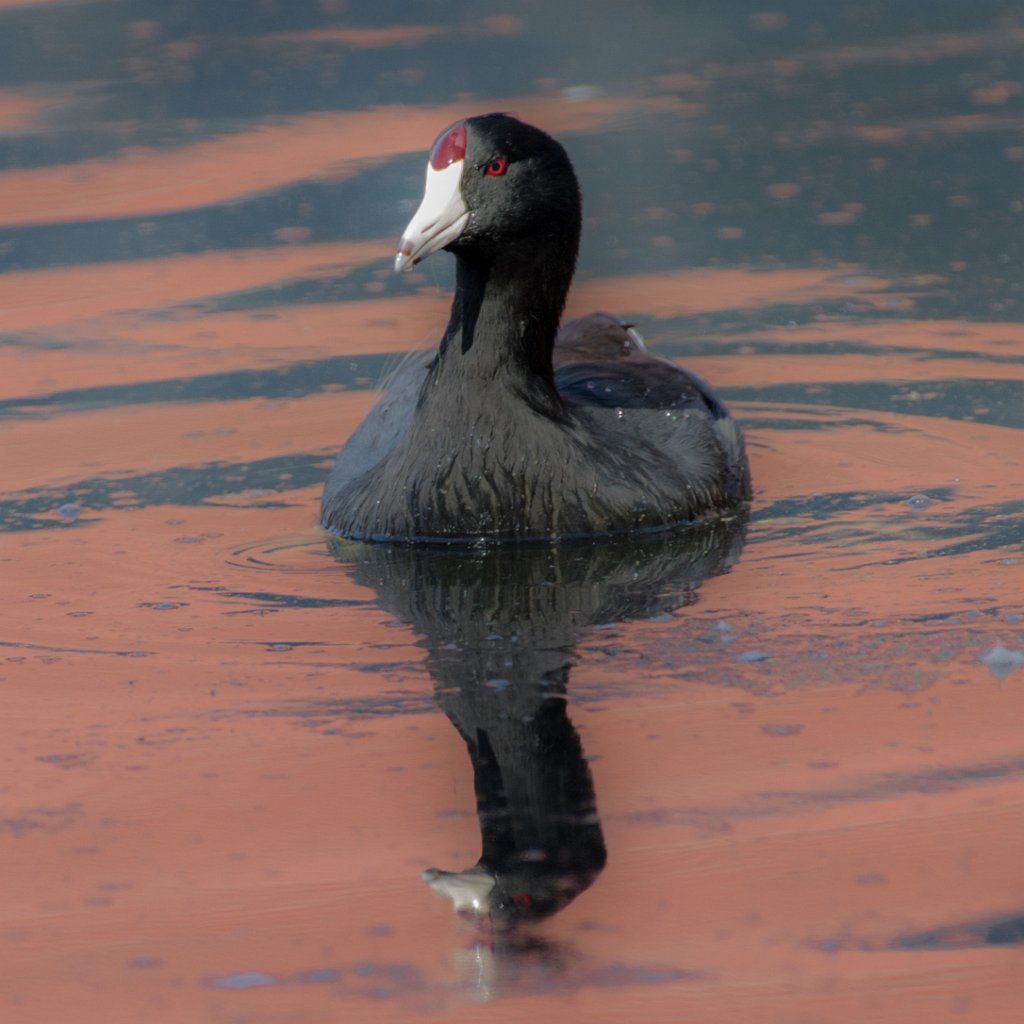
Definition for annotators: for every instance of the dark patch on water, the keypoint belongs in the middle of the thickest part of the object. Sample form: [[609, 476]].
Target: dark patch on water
[[370, 979], [978, 528], [374, 280], [53, 649], [887, 786], [34, 509], [276, 601], [827, 506], [935, 533], [999, 931], [383, 705], [245, 980], [365, 206], [754, 421], [527, 968], [996, 402], [350, 373], [679, 337], [40, 819]]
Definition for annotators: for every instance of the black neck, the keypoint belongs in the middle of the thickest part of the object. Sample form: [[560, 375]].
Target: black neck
[[505, 311]]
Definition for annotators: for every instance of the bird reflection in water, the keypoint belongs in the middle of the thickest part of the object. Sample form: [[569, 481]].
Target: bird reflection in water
[[500, 625]]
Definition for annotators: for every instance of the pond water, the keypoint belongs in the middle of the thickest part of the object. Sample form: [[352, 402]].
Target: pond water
[[768, 770]]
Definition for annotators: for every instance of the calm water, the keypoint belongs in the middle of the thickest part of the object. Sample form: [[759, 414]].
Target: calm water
[[771, 770]]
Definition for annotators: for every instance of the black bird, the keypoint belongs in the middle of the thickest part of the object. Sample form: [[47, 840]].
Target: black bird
[[511, 430]]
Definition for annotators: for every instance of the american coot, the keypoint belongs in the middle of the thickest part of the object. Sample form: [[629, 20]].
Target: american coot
[[508, 432]]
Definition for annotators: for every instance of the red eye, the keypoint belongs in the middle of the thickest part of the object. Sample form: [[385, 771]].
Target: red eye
[[497, 167]]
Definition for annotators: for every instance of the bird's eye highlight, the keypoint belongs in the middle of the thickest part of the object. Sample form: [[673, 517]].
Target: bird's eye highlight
[[497, 167]]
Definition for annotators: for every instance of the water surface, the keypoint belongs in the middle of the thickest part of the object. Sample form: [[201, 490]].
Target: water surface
[[768, 771]]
